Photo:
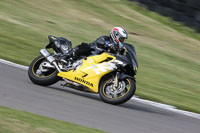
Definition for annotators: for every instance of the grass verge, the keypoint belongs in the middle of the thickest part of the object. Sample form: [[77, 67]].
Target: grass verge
[[13, 121]]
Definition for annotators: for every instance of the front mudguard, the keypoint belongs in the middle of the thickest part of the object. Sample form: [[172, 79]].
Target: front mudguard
[[123, 76]]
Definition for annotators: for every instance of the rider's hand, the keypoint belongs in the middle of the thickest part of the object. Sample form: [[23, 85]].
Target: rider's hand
[[111, 46]]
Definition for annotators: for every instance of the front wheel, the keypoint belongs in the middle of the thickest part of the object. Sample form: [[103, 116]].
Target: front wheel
[[41, 75], [117, 95]]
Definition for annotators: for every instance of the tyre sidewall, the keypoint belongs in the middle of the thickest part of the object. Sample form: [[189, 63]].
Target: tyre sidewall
[[44, 81], [120, 100]]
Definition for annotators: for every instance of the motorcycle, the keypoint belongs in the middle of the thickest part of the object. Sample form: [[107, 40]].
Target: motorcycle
[[109, 75]]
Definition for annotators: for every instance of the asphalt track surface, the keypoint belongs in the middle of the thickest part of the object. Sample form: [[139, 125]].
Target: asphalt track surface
[[18, 92]]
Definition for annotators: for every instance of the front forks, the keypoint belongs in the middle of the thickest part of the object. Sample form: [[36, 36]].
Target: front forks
[[116, 80]]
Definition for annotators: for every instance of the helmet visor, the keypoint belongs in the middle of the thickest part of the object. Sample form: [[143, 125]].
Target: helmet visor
[[121, 39]]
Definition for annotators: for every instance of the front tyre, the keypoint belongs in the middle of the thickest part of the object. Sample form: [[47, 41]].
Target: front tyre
[[117, 95], [40, 75]]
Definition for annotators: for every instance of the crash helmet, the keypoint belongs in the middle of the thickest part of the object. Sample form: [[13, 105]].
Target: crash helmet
[[118, 35]]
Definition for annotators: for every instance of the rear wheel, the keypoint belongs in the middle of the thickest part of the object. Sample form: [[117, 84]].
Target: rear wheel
[[41, 75], [117, 95]]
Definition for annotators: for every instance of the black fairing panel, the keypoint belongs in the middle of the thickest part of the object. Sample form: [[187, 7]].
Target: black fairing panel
[[131, 54], [123, 58]]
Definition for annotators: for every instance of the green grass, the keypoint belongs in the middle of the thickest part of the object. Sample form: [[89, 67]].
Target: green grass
[[168, 52], [13, 121]]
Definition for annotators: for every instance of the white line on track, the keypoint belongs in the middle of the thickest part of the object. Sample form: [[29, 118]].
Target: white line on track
[[166, 107], [13, 64], [135, 98]]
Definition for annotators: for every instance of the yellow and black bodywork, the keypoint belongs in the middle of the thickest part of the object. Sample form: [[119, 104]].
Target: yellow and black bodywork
[[91, 71]]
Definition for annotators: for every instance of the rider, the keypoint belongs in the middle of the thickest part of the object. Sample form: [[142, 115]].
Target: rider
[[112, 44]]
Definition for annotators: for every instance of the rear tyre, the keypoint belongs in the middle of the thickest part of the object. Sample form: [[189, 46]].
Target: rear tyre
[[109, 94], [45, 78]]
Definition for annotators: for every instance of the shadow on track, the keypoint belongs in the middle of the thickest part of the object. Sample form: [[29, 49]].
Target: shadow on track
[[77, 92], [128, 105]]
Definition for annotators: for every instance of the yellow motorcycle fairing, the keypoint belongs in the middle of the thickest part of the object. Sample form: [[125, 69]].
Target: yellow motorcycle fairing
[[91, 71]]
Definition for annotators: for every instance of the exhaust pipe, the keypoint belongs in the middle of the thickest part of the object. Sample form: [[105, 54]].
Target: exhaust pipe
[[49, 58], [47, 55]]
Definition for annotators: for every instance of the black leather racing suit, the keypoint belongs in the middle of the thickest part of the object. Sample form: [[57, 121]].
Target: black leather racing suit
[[101, 44]]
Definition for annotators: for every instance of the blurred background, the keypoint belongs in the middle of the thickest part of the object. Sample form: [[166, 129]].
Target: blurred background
[[186, 11], [168, 52]]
